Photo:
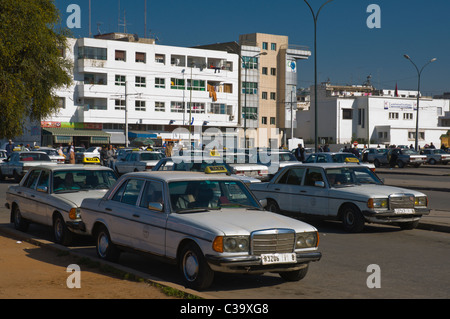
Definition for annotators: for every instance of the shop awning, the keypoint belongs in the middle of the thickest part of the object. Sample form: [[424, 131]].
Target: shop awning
[[75, 132], [135, 134]]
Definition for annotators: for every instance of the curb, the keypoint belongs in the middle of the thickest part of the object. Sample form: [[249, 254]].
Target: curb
[[15, 234]]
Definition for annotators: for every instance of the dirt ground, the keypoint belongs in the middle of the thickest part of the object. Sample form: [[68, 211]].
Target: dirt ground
[[30, 272]]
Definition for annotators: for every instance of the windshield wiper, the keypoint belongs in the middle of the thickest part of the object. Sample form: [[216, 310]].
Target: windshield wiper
[[240, 205]]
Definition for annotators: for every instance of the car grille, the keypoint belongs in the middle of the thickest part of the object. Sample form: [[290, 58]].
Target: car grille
[[273, 241], [401, 201]]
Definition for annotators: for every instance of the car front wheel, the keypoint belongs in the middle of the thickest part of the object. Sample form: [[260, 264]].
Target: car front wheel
[[352, 219], [61, 233], [195, 270], [294, 275], [273, 207]]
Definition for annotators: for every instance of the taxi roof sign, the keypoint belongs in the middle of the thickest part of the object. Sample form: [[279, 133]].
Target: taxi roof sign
[[215, 169], [351, 160]]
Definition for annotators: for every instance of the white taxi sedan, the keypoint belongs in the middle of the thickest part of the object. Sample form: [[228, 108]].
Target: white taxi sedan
[[51, 195], [202, 223], [348, 192]]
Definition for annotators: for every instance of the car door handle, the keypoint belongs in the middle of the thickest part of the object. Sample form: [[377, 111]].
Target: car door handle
[[277, 189], [136, 215], [303, 191], [33, 196], [108, 209]]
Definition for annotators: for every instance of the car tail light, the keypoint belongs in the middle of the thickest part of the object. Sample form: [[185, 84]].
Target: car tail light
[[148, 167], [239, 172], [263, 172]]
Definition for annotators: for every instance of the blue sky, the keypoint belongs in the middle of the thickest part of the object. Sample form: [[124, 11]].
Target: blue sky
[[347, 49]]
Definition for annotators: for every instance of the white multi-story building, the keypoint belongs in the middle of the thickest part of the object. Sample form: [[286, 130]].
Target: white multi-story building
[[384, 117], [154, 88]]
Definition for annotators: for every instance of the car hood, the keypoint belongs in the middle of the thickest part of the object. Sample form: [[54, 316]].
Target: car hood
[[371, 191], [75, 198], [238, 221]]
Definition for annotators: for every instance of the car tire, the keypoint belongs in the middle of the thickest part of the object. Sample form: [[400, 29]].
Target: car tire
[[273, 207], [409, 225], [432, 161], [61, 233], [352, 219], [294, 275], [194, 268], [20, 223], [105, 248], [400, 164]]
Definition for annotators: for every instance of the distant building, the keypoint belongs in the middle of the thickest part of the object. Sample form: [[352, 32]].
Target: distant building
[[384, 117]]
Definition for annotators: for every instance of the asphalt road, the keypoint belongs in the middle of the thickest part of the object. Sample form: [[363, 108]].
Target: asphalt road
[[411, 264]]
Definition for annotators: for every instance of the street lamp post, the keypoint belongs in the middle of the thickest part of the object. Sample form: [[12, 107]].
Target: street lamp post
[[245, 94], [419, 73], [315, 17]]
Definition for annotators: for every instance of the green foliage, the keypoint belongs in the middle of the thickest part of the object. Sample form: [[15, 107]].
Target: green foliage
[[31, 66]]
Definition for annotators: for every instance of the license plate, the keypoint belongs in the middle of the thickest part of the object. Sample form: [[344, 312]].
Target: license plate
[[268, 259], [404, 211]]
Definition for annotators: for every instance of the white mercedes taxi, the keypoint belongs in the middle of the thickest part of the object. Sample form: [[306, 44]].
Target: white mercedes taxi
[[51, 195], [348, 192], [203, 223]]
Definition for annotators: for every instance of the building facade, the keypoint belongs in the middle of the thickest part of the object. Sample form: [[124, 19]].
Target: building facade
[[385, 117], [158, 91]]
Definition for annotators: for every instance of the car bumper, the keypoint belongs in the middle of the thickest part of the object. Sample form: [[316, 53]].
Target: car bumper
[[253, 264], [76, 226], [391, 216]]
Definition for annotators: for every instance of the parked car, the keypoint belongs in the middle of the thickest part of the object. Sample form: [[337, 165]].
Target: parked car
[[138, 161], [339, 157], [203, 224], [369, 154], [401, 157], [53, 154], [276, 160], [51, 195], [245, 164], [350, 193], [79, 150], [2, 155], [436, 156], [208, 165], [18, 164]]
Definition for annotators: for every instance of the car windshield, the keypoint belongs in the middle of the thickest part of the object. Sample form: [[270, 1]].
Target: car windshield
[[151, 156], [350, 176], [192, 196], [50, 152], [79, 179]]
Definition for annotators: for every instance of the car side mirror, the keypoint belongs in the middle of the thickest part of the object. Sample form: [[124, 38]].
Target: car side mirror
[[42, 189], [156, 206], [319, 184], [263, 202]]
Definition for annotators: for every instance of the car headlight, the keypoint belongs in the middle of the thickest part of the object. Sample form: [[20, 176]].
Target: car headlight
[[231, 244], [421, 201], [377, 203], [307, 240]]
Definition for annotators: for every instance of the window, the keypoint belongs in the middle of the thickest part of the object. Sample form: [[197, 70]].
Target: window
[[177, 107], [272, 96], [120, 55], [92, 53], [120, 80], [264, 120], [128, 193], [62, 102], [272, 120], [160, 107], [264, 70], [44, 179], [407, 116], [160, 58], [196, 107], [312, 176], [264, 95], [347, 114], [393, 116], [177, 84], [153, 194], [250, 62], [32, 179], [251, 113], [361, 117], [273, 71], [139, 105], [140, 57], [292, 177], [220, 108], [273, 46], [264, 45], [119, 104], [160, 83], [197, 85], [140, 82], [249, 88], [412, 135]]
